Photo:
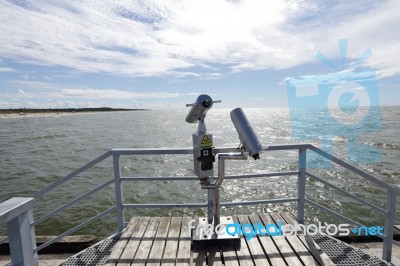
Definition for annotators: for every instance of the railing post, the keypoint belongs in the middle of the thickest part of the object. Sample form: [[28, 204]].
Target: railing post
[[301, 185], [389, 224], [210, 201], [118, 193], [17, 213]]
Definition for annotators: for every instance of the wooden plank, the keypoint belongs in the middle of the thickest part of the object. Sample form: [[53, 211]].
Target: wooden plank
[[229, 256], [314, 248], [157, 249], [256, 251], [288, 218], [154, 240], [123, 240], [301, 251], [283, 246], [134, 242], [147, 241], [214, 256], [185, 241], [268, 245], [171, 246], [243, 254]]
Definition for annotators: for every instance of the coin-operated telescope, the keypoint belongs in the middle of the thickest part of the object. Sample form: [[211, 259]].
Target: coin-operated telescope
[[202, 142], [204, 158]]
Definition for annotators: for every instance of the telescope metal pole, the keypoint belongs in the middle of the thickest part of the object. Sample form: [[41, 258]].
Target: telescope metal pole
[[221, 176], [210, 202]]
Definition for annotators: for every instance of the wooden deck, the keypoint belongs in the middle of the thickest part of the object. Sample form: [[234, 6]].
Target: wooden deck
[[167, 241]]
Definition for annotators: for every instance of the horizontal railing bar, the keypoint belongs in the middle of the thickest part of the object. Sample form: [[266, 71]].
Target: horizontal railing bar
[[282, 147], [70, 231], [188, 178], [337, 215], [73, 174], [355, 170], [396, 242], [200, 205], [262, 175], [72, 202], [254, 202], [4, 240], [158, 151], [347, 193], [159, 178], [165, 205], [161, 151], [151, 151]]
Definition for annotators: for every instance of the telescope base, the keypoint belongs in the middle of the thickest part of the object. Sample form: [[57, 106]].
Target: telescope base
[[203, 235]]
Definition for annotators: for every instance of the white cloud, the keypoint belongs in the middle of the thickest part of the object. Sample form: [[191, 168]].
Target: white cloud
[[30, 84], [109, 94], [24, 103], [155, 38], [86, 94], [377, 28], [6, 69]]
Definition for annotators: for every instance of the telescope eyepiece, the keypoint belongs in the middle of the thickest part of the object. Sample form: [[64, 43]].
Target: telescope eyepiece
[[256, 156], [206, 103]]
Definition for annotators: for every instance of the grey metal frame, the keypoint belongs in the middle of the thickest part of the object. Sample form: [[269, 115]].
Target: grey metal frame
[[301, 185], [17, 214], [301, 198]]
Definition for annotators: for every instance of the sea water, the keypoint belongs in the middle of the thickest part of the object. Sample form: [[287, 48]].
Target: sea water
[[38, 150]]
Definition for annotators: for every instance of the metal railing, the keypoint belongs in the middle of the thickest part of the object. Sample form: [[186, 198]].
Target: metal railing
[[301, 199], [17, 214]]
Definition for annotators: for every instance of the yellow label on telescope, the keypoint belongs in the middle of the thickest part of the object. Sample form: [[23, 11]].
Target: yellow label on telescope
[[206, 142]]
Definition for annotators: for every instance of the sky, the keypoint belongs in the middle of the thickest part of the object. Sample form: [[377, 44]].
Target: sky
[[163, 54]]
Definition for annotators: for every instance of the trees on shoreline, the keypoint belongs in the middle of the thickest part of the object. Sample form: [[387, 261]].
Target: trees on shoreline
[[62, 110]]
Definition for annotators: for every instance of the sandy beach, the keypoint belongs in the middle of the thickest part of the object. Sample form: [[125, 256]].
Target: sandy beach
[[49, 114]]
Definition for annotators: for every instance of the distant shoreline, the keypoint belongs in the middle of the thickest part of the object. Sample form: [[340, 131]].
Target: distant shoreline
[[17, 112], [63, 110]]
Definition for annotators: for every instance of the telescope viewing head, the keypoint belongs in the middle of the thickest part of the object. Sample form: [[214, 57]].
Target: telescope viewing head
[[199, 108]]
